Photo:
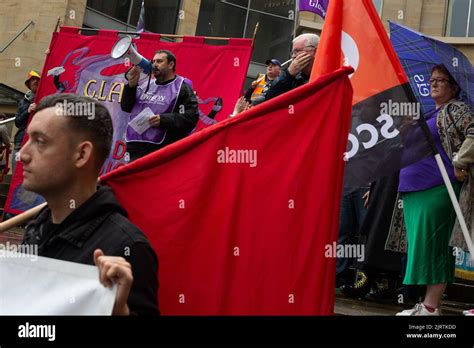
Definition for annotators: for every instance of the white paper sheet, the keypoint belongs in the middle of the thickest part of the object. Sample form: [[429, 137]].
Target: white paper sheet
[[140, 123], [45, 286]]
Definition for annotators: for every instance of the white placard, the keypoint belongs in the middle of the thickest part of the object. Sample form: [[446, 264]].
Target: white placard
[[33, 285], [140, 123]]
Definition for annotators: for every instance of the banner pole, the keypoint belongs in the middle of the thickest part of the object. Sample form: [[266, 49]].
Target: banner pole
[[447, 182], [297, 17], [57, 24], [457, 207], [255, 33], [24, 217], [173, 36], [21, 218]]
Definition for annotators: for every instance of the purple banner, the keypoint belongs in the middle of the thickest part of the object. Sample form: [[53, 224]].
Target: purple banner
[[319, 7]]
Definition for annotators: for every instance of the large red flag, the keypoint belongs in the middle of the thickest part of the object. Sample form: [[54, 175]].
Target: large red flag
[[244, 214]]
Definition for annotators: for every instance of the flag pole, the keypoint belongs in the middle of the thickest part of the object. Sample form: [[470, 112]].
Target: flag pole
[[255, 33], [171, 36], [446, 180], [21, 219], [297, 17], [455, 202], [24, 217], [58, 22]]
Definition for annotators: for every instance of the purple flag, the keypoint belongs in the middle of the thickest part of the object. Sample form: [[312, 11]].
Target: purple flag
[[319, 7]]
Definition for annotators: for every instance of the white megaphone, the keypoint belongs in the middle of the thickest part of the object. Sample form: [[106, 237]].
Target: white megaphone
[[124, 48]]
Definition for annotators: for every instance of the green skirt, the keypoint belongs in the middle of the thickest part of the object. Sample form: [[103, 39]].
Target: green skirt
[[429, 220]]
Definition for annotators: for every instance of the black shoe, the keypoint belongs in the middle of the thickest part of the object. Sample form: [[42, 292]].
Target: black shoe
[[341, 281], [360, 287], [381, 292], [344, 278]]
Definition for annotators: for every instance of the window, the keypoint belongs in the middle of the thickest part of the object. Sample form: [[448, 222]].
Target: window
[[273, 38], [283, 8], [237, 18], [378, 5], [243, 3], [117, 9], [460, 18], [161, 16], [219, 18]]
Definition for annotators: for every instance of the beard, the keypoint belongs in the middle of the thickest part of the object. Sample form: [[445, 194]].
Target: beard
[[157, 73]]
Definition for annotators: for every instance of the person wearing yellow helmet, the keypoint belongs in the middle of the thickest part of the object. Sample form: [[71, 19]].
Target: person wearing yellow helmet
[[25, 107], [33, 80]]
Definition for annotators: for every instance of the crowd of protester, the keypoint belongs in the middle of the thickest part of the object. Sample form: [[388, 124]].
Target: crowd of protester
[[62, 157]]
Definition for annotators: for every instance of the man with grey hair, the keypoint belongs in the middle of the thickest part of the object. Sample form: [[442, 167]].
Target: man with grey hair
[[299, 71]]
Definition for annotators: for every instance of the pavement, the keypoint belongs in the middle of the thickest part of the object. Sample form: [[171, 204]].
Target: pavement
[[362, 307], [350, 307]]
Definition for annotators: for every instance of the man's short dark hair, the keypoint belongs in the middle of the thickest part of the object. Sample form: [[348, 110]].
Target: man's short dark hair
[[97, 127], [169, 56]]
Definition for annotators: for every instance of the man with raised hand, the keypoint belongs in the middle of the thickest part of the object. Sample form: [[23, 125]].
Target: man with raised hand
[[162, 110], [303, 54]]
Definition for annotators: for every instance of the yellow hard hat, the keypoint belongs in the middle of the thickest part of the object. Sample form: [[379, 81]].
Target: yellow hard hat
[[31, 74]]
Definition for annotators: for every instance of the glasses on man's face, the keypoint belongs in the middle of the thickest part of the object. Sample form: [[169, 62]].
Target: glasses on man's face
[[295, 52], [438, 81]]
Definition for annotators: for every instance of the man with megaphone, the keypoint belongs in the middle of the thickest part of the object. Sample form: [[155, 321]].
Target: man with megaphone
[[162, 110]]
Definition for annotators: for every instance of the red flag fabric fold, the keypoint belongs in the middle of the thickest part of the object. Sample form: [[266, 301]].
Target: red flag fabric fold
[[329, 53], [244, 214]]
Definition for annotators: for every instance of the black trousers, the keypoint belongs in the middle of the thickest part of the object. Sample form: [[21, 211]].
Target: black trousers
[[376, 226], [138, 150]]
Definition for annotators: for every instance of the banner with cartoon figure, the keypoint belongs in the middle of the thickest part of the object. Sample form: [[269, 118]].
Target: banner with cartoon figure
[[82, 64]]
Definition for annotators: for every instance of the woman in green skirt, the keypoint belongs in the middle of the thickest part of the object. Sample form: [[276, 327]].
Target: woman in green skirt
[[428, 212]]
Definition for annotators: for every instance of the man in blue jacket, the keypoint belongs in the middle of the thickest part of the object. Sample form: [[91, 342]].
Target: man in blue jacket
[[25, 107]]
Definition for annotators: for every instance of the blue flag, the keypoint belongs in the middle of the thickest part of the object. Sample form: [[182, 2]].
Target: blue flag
[[418, 53]]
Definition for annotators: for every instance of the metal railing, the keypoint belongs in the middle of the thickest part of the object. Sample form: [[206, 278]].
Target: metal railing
[[8, 120], [16, 36]]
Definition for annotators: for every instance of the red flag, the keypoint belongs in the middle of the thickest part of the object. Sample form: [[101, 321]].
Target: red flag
[[328, 55], [83, 65], [379, 140], [243, 215], [366, 47], [368, 50]]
